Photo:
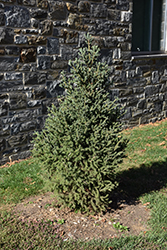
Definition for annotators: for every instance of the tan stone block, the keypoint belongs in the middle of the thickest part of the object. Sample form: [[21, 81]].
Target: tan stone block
[[28, 55], [42, 4]]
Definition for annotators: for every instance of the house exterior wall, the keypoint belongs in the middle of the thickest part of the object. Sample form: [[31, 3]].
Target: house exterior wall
[[38, 37]]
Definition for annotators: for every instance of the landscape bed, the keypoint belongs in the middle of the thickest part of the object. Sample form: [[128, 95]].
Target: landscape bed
[[143, 184]]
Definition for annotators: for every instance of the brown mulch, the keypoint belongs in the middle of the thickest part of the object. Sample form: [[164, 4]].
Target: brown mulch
[[134, 215]]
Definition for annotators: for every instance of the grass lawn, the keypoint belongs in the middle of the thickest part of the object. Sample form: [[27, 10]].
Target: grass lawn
[[142, 175]]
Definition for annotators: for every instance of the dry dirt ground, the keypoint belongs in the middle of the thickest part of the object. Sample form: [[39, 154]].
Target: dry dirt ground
[[73, 225]]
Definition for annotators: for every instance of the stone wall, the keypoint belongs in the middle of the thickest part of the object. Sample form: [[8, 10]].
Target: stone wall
[[38, 37]]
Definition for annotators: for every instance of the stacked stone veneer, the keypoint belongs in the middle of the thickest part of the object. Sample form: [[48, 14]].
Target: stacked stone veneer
[[38, 37]]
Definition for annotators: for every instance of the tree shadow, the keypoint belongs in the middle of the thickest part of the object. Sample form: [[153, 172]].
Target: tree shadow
[[134, 182]]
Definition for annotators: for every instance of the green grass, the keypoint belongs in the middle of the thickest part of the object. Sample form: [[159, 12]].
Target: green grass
[[20, 181], [142, 175]]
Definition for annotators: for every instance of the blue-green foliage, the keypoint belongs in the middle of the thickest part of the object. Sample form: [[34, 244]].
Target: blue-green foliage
[[81, 144]]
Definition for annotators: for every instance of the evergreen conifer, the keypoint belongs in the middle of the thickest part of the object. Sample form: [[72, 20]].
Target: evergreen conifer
[[81, 144]]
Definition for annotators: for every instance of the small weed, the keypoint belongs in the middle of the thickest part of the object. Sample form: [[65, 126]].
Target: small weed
[[120, 227], [62, 221], [47, 205], [112, 219]]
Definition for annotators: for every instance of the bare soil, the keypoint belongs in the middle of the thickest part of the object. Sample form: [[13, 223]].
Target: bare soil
[[75, 226]]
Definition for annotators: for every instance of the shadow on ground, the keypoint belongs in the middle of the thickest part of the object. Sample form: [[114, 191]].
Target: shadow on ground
[[135, 182]]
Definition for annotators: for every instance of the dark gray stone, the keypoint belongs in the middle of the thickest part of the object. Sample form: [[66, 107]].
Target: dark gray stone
[[20, 39], [41, 78], [155, 77], [132, 101], [7, 1], [98, 10], [17, 140], [43, 62], [38, 13], [84, 6], [20, 155], [163, 88], [53, 46], [6, 35], [17, 101], [125, 92], [15, 128], [59, 64], [158, 106], [106, 56], [33, 78], [110, 42], [114, 15], [137, 113], [126, 55], [13, 76], [128, 38], [27, 126], [150, 90], [67, 52], [4, 108], [30, 78], [7, 64], [22, 116], [138, 90], [3, 160], [12, 50], [56, 32], [1, 77], [5, 131], [2, 17], [39, 93], [53, 89], [102, 28], [17, 16], [34, 103], [122, 5], [2, 145], [3, 97], [6, 86], [128, 114], [161, 97], [9, 152], [41, 50], [141, 104], [24, 67], [114, 94], [58, 10]]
